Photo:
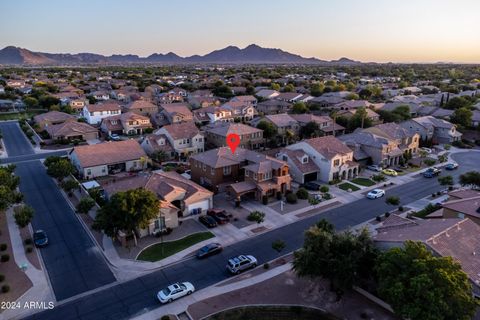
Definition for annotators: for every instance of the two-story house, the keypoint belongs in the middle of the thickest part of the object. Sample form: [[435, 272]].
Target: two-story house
[[250, 137], [142, 107], [326, 124], [184, 137], [173, 113], [407, 141], [94, 113], [243, 174], [126, 123], [432, 129], [247, 100], [333, 159]]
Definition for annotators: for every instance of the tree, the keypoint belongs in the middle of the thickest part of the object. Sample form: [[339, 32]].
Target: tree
[[471, 178], [275, 86], [463, 117], [310, 130], [30, 102], [420, 286], [85, 205], [159, 156], [365, 93], [446, 181], [344, 258], [352, 96], [289, 88], [458, 102], [60, 169], [269, 130], [403, 112], [316, 89], [359, 120], [8, 186], [46, 101], [222, 90], [23, 215], [299, 107], [127, 211]]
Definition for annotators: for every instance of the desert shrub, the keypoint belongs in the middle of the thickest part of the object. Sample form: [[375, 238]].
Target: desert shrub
[[291, 198], [324, 189], [256, 216], [302, 193], [393, 200]]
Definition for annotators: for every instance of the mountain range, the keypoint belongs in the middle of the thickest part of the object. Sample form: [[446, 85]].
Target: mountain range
[[252, 54]]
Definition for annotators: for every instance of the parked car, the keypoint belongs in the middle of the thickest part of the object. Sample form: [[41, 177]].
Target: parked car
[[311, 185], [209, 250], [114, 137], [208, 221], [175, 291], [374, 167], [431, 172], [376, 193], [427, 150], [219, 215], [390, 172], [40, 238], [451, 166], [241, 263], [187, 174]]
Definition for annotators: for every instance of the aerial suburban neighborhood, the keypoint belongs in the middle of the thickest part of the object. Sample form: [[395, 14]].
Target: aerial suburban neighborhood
[[244, 183]]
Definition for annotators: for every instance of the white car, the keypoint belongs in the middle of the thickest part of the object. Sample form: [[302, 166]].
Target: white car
[[427, 150], [376, 193], [374, 167], [175, 291]]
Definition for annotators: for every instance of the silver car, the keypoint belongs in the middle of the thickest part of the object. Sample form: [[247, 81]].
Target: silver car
[[241, 263]]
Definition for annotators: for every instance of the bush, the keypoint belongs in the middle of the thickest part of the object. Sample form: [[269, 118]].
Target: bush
[[85, 205], [266, 266], [28, 249], [400, 208], [302, 193], [313, 201], [327, 196], [5, 257], [429, 162], [324, 189], [378, 218], [378, 177], [393, 200], [256, 216], [23, 215], [69, 185], [387, 214], [3, 247], [291, 198], [447, 147], [2, 277], [278, 245], [5, 288], [28, 241]]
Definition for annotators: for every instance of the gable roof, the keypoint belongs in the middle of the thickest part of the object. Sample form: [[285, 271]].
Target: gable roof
[[70, 128], [181, 130], [224, 129], [328, 146], [53, 116]]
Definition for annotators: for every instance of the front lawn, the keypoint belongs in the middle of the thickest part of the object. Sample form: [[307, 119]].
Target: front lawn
[[154, 252], [363, 182], [345, 186]]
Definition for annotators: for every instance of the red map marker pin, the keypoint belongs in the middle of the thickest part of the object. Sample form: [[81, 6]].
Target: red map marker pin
[[233, 140]]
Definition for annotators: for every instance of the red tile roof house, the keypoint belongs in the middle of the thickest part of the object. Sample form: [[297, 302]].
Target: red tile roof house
[[184, 137], [462, 204], [332, 159], [142, 107], [247, 100], [72, 130], [180, 198], [126, 123], [154, 143], [457, 238], [171, 113], [108, 158], [51, 118], [243, 174], [250, 137]]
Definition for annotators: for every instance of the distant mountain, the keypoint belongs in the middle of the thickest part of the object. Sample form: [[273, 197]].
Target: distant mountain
[[253, 54]]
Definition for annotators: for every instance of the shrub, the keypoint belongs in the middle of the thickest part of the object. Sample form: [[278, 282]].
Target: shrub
[[429, 162], [85, 205], [23, 215], [278, 245], [302, 193], [378, 218], [266, 266], [69, 185], [2, 277], [5, 288], [387, 214], [324, 189], [433, 195], [439, 193], [393, 200], [5, 257], [327, 196], [29, 249], [447, 147], [313, 201], [291, 198], [400, 208], [378, 177], [3, 247], [28, 241], [256, 216]]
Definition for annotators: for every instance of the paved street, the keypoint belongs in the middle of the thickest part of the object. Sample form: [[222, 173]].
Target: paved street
[[135, 297], [73, 263]]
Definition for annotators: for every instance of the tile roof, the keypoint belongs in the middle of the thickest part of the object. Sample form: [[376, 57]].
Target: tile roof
[[141, 104], [53, 116], [281, 120], [224, 129], [181, 130], [104, 106], [296, 155], [108, 153], [468, 206], [329, 146], [70, 128]]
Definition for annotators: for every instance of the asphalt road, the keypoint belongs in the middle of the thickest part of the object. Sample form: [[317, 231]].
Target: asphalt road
[[132, 298], [73, 263]]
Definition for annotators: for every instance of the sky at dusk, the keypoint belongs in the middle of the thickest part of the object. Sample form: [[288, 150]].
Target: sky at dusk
[[366, 30]]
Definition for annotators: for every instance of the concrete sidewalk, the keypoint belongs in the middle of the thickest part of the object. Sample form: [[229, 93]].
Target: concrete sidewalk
[[41, 290]]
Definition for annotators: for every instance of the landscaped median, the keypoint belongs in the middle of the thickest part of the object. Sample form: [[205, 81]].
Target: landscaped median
[[160, 251]]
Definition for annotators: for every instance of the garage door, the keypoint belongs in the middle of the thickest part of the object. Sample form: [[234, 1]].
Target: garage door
[[310, 177]]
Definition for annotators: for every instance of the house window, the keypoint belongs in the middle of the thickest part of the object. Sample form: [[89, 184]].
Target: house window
[[305, 159], [212, 171], [247, 173], [227, 170], [89, 171], [204, 167], [336, 162]]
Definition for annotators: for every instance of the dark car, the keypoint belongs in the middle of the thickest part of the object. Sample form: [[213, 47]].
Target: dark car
[[219, 215], [40, 238], [431, 172], [209, 250], [312, 186], [208, 221], [451, 166]]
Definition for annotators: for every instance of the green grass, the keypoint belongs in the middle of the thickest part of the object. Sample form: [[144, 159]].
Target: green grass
[[345, 186], [19, 115], [154, 252], [363, 182]]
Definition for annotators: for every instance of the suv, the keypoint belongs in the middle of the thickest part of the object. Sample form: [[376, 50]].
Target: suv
[[219, 215], [241, 263], [431, 172]]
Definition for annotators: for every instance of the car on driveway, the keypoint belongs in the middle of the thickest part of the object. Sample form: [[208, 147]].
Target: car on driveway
[[219, 215], [114, 137], [208, 221], [209, 250], [376, 193], [175, 291], [241, 263], [427, 150], [374, 167], [431, 172], [451, 166], [40, 238], [390, 172], [312, 186]]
